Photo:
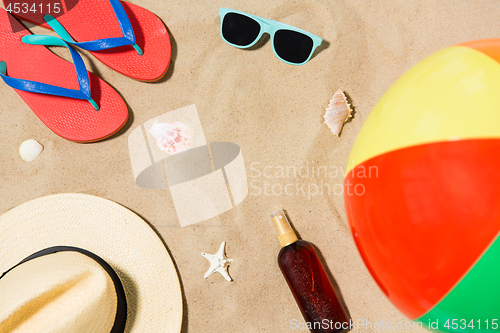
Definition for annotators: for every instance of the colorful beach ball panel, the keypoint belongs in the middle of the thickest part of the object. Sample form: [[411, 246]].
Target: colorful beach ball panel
[[421, 223], [428, 222]]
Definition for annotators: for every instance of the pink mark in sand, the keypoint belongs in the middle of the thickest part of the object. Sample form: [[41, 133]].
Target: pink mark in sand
[[173, 137]]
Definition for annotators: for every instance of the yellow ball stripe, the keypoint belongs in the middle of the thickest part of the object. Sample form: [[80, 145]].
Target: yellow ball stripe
[[453, 94]]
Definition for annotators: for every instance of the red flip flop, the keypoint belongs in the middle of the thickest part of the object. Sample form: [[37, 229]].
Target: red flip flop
[[63, 95], [115, 32]]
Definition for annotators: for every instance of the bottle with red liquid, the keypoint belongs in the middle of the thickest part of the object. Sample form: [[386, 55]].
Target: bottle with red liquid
[[312, 289]]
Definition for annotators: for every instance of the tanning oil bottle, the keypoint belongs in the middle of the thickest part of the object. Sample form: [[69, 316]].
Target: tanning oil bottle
[[312, 289]]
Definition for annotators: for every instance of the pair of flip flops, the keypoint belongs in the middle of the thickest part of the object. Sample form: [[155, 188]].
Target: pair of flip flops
[[73, 103]]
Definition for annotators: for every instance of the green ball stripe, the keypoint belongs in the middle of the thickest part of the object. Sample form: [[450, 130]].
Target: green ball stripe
[[475, 297]]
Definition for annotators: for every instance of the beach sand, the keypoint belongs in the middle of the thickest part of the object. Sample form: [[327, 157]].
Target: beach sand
[[273, 111]]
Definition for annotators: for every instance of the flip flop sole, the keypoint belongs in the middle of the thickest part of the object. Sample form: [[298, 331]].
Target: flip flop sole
[[95, 19], [72, 119]]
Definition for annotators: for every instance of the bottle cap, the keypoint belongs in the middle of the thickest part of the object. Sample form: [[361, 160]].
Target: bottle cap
[[286, 235]]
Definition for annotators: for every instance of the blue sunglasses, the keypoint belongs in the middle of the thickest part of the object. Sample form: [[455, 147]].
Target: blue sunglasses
[[291, 45]]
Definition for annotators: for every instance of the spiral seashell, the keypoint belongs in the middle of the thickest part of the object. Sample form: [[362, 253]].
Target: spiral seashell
[[337, 112], [29, 150], [172, 137]]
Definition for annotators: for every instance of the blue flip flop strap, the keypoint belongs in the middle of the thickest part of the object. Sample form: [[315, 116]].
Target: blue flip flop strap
[[105, 43], [43, 88]]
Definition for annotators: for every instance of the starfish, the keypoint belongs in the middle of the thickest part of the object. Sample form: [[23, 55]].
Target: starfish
[[218, 263]]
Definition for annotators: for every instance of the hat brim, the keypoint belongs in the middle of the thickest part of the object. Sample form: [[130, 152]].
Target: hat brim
[[114, 233]]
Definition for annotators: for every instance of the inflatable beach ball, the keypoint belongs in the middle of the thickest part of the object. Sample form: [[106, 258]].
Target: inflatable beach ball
[[422, 190]]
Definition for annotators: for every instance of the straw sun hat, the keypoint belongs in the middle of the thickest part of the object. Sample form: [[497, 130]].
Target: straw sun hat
[[78, 263]]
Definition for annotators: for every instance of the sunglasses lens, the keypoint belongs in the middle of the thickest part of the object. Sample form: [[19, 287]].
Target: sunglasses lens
[[239, 29], [292, 46]]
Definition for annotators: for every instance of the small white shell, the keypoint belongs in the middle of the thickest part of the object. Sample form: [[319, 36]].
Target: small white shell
[[29, 150], [337, 112]]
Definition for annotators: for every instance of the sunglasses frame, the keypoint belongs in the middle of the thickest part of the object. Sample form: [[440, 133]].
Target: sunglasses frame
[[270, 27]]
